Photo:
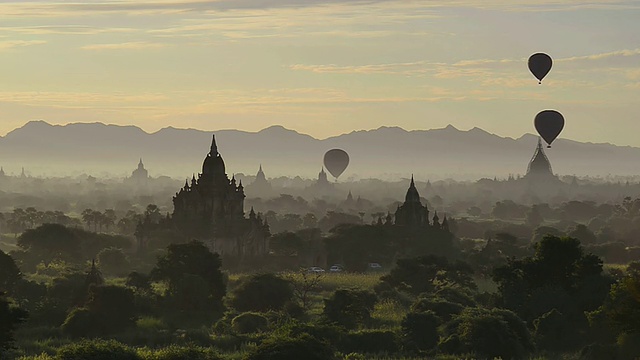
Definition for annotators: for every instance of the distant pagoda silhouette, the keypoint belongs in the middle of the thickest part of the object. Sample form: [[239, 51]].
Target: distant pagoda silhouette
[[539, 167]]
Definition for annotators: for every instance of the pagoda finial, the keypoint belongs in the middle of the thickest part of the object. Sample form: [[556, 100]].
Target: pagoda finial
[[412, 182], [214, 147]]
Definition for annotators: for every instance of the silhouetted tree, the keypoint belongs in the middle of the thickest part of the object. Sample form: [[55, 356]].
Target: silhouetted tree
[[349, 307], [190, 268], [425, 274], [51, 241], [262, 293], [10, 317], [9, 272]]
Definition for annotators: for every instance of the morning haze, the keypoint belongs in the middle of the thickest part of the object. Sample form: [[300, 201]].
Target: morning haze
[[319, 180]]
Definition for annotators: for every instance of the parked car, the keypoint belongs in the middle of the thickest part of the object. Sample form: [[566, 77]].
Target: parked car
[[336, 268], [315, 270], [374, 267]]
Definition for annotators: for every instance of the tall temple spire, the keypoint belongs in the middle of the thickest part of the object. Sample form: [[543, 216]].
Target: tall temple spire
[[412, 192], [213, 163], [214, 147]]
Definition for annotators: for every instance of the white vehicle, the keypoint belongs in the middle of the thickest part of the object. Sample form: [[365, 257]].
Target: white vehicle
[[315, 269], [336, 268], [374, 267]]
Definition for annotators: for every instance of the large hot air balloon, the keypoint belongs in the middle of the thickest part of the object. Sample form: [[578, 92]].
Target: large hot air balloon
[[549, 124], [540, 65], [336, 161]]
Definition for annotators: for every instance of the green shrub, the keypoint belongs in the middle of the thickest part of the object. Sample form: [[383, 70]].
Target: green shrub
[[420, 330], [287, 348], [97, 350], [599, 351], [80, 323], [370, 342], [488, 334], [261, 293], [349, 308], [444, 309], [629, 345], [175, 352], [249, 323], [113, 261]]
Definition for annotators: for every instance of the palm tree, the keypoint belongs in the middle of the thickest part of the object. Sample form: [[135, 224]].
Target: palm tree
[[109, 218], [98, 220], [87, 217]]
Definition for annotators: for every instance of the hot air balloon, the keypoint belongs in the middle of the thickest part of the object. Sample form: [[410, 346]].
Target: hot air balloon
[[549, 124], [336, 161], [540, 65]]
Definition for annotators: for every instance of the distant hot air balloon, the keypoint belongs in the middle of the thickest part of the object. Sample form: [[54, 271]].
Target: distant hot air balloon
[[549, 124], [540, 65], [336, 161]]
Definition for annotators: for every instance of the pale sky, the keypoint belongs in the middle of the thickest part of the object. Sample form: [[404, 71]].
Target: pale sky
[[322, 67]]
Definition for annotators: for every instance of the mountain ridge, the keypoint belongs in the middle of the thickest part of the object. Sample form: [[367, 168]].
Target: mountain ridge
[[388, 151]]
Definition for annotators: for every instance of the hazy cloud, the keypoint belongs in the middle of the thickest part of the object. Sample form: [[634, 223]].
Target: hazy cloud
[[11, 44], [137, 45]]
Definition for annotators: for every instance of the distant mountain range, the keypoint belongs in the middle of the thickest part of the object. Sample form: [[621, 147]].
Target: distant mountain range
[[387, 152]]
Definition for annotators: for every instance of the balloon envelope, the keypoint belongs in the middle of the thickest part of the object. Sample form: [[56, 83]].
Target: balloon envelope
[[540, 65], [549, 124], [336, 161]]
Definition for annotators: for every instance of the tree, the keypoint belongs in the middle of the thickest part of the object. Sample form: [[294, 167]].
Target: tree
[[292, 348], [420, 330], [50, 242], [425, 274], [543, 231], [286, 244], [488, 333], [534, 218], [349, 308], [109, 309], [152, 212], [559, 275], [622, 305], [333, 219], [261, 293], [249, 322], [309, 221], [357, 245], [109, 218], [113, 261], [9, 272], [582, 233], [10, 318], [87, 217], [191, 260], [304, 284], [96, 350], [474, 211]]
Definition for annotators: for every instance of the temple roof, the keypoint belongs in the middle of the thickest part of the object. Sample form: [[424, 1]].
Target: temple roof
[[412, 193], [539, 164], [213, 163]]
